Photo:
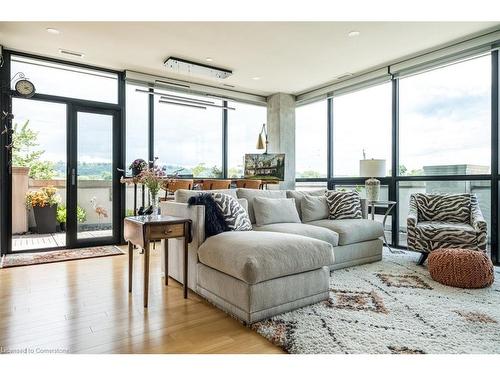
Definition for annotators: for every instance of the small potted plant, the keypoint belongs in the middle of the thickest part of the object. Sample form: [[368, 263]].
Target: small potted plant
[[44, 204], [61, 217], [137, 166], [81, 216]]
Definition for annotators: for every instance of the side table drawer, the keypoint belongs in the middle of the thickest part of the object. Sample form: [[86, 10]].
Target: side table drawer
[[167, 231]]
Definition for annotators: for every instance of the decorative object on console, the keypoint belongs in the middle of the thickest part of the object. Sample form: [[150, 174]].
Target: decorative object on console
[[235, 216], [262, 141], [265, 167], [153, 178], [344, 205], [461, 268], [372, 168], [214, 219]]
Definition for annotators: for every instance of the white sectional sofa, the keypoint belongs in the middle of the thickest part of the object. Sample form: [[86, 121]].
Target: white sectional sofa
[[275, 267]]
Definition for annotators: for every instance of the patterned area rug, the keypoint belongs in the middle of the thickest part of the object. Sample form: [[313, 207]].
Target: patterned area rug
[[26, 259], [392, 306]]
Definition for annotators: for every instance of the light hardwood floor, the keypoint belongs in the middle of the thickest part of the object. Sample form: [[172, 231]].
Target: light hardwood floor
[[83, 306]]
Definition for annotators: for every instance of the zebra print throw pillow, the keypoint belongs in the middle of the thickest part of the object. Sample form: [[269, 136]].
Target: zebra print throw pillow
[[344, 205], [452, 208], [235, 215]]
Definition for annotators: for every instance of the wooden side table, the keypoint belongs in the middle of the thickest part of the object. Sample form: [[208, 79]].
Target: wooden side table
[[141, 230]]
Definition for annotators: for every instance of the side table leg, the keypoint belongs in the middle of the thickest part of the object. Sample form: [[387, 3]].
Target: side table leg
[[146, 273], [130, 265], [165, 251], [186, 240]]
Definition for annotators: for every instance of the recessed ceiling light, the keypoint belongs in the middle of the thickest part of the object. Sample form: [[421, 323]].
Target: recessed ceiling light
[[353, 34], [255, 78], [209, 59], [53, 31]]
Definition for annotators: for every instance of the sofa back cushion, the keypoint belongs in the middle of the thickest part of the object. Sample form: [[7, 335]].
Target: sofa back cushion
[[299, 195], [453, 208], [344, 205], [234, 214], [183, 195], [251, 194], [275, 210], [314, 208]]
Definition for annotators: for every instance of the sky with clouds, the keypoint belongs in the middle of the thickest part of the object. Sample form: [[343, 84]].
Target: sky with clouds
[[444, 119]]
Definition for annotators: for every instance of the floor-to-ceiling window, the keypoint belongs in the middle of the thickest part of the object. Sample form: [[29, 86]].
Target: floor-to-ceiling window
[[439, 120], [361, 128], [244, 126], [445, 129], [137, 135], [311, 144], [39, 162], [65, 156], [362, 123], [188, 137]]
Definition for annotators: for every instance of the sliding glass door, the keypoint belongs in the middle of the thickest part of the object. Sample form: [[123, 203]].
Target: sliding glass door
[[94, 181], [65, 183], [39, 165]]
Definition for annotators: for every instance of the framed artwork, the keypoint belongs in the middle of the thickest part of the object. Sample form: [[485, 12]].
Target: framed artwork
[[268, 167]]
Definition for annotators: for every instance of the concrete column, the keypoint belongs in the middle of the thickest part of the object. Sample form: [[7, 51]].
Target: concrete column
[[281, 129]]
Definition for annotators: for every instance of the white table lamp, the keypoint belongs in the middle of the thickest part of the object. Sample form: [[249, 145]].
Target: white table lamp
[[372, 168]]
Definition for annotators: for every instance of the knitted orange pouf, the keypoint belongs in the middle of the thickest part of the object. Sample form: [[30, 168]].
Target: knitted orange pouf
[[461, 268]]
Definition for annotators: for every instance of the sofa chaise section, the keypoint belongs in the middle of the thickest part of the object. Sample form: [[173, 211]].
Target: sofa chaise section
[[255, 275]]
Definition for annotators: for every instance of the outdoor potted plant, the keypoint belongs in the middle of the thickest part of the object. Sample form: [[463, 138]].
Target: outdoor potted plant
[[44, 204], [81, 216], [61, 217], [137, 166]]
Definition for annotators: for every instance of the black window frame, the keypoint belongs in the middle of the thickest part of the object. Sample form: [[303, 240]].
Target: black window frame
[[393, 180], [6, 95]]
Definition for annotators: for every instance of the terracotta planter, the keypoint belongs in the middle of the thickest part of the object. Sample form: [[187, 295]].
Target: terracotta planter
[[45, 219]]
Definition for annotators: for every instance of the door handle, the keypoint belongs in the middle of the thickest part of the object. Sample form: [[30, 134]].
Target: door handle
[[73, 177]]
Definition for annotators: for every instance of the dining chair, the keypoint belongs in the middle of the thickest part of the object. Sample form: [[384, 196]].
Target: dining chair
[[216, 184], [249, 184]]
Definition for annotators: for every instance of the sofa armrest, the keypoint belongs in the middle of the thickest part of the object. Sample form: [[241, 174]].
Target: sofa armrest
[[412, 219], [196, 213], [478, 223]]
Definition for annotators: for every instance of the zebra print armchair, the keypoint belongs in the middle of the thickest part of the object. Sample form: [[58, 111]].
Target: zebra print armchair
[[445, 221]]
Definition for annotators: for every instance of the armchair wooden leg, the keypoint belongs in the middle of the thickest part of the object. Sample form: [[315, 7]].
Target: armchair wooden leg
[[422, 259]]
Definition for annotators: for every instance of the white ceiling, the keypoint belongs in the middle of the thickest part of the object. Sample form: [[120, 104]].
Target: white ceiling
[[289, 57]]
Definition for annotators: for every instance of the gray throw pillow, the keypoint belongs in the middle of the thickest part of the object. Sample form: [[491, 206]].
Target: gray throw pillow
[[298, 195], [314, 208], [344, 205], [270, 211], [235, 215]]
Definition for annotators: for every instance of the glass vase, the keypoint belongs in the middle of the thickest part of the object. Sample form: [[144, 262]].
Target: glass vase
[[155, 203]]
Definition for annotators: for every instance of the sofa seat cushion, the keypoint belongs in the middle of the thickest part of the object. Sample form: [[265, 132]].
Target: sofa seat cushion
[[352, 230], [306, 230], [255, 256], [445, 232]]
